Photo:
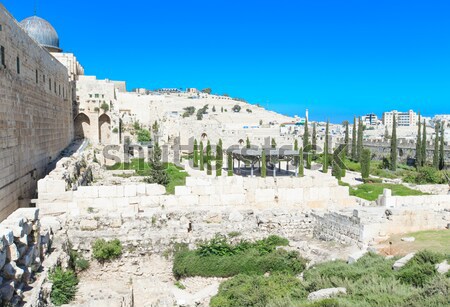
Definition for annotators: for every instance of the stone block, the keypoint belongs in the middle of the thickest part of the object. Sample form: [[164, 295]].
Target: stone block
[[7, 236], [355, 256], [87, 192], [31, 214], [188, 200], [141, 190], [2, 258], [107, 191], [326, 293], [150, 201], [55, 186], [264, 195], [12, 271], [88, 225], [183, 190], [401, 262], [232, 199], [202, 190], [129, 191], [154, 189], [7, 291], [204, 200], [287, 195], [29, 256]]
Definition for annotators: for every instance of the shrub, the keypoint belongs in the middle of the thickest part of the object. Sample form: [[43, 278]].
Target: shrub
[[417, 274], [425, 175], [143, 135], [107, 250], [218, 258], [64, 286], [236, 108], [259, 291]]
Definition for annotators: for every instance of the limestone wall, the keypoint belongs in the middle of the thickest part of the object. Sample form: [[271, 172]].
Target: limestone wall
[[334, 226], [35, 113]]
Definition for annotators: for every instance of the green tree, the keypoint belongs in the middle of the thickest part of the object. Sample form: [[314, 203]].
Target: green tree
[[157, 170], [354, 151], [202, 158], [214, 108], [308, 160], [314, 137], [326, 149], [419, 144], [230, 164], [208, 159], [143, 135], [207, 90], [424, 144], [365, 163], [219, 158], [247, 143], [263, 164], [221, 109], [393, 164], [195, 153], [306, 137], [336, 170], [274, 143], [346, 137], [155, 127], [301, 168], [436, 147], [359, 147], [441, 149]]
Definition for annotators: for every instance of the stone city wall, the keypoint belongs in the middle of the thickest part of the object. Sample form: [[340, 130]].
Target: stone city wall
[[35, 114], [334, 226]]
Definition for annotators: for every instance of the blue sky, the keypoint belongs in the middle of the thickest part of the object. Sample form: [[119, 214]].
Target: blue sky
[[336, 58]]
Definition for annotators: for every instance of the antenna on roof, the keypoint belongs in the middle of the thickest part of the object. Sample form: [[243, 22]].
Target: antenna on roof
[[35, 7]]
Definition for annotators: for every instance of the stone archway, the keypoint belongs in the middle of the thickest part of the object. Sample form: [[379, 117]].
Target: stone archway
[[104, 129], [82, 125]]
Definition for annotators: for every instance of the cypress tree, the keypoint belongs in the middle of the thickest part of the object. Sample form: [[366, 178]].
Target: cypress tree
[[202, 158], [436, 147], [208, 159], [386, 133], [393, 163], [219, 158], [296, 159], [195, 153], [247, 143], [263, 164], [419, 144], [441, 149], [230, 164], [306, 137], [314, 139], [158, 172], [354, 140], [424, 145], [308, 160], [359, 147], [346, 138], [365, 163], [336, 170], [274, 143], [325, 150], [343, 158], [301, 169]]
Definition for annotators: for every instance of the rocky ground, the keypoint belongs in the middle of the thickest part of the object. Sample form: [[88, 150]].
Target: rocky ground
[[147, 280]]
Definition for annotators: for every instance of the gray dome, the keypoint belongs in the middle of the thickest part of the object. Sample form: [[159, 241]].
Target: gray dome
[[42, 32]]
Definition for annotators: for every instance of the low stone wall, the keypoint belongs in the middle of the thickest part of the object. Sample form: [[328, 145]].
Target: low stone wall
[[156, 231], [23, 246], [310, 192], [334, 226]]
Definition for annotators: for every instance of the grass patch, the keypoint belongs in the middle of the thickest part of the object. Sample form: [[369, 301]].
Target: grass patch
[[371, 191], [177, 175], [218, 258], [433, 240]]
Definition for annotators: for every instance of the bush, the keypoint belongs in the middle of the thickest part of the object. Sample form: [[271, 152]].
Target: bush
[[104, 107], [259, 291], [417, 274], [107, 250], [143, 135], [218, 258], [64, 286], [425, 175]]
